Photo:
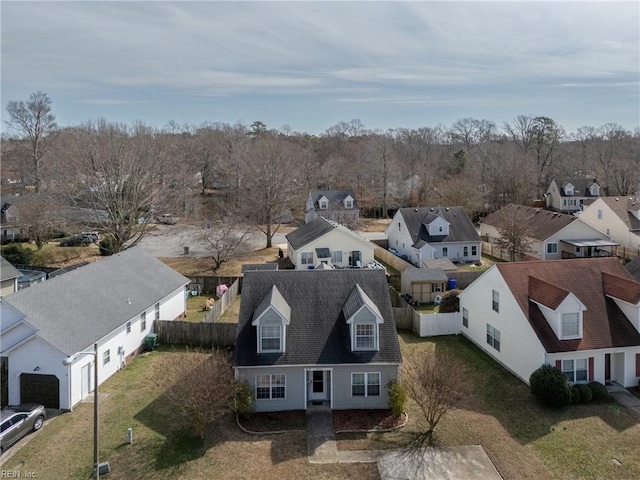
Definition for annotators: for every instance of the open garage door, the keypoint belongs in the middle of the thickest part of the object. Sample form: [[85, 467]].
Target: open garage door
[[43, 389]]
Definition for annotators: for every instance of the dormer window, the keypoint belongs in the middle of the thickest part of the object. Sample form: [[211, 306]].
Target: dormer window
[[568, 189], [570, 326], [348, 202], [366, 336], [271, 319], [595, 190], [323, 203], [271, 338], [364, 319]]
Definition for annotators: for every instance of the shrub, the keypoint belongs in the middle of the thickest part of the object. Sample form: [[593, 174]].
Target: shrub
[[450, 302], [397, 397], [550, 387], [586, 395], [575, 395], [599, 391], [244, 403], [17, 254], [106, 246]]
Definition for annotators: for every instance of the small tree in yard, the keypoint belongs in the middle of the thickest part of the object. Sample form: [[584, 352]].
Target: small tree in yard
[[200, 388], [436, 381], [450, 302], [226, 237], [515, 232]]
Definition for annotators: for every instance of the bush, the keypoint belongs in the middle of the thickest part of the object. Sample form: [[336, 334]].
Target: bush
[[106, 246], [450, 302], [244, 403], [575, 395], [586, 395], [17, 254], [599, 391], [550, 387], [397, 397]]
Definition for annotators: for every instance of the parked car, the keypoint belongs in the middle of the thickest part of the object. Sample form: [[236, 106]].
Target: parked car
[[167, 219], [76, 241], [92, 236], [18, 421]]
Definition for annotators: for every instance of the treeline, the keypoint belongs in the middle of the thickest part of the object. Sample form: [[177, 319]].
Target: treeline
[[255, 173]]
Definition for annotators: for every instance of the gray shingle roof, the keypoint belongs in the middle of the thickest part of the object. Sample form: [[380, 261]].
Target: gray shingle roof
[[7, 271], [425, 274], [275, 300], [581, 186], [335, 197], [356, 300], [633, 268], [309, 232], [460, 227], [318, 332], [74, 310]]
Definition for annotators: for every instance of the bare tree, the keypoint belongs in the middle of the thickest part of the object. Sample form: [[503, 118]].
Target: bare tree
[[119, 179], [437, 383], [515, 233], [226, 236], [41, 216], [200, 388], [34, 121], [270, 182]]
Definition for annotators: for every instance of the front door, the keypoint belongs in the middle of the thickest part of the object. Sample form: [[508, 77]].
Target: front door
[[317, 389], [607, 367], [86, 380]]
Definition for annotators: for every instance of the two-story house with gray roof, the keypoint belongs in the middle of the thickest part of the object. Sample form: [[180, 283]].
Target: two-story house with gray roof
[[325, 337], [338, 205], [428, 233], [111, 303], [568, 195]]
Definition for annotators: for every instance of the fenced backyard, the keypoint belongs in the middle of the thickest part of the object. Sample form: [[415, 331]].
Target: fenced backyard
[[196, 334]]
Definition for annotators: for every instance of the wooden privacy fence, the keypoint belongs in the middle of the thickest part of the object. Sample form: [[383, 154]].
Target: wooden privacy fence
[[402, 311], [223, 303], [197, 334]]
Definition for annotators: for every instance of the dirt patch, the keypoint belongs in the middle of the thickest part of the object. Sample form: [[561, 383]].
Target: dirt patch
[[373, 224], [350, 420], [196, 266]]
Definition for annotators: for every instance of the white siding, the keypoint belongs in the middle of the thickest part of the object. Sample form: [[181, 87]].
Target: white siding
[[400, 238], [520, 350], [335, 240], [618, 228]]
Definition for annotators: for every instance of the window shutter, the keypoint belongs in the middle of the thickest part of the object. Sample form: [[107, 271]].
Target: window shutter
[[559, 364], [591, 369], [637, 364]]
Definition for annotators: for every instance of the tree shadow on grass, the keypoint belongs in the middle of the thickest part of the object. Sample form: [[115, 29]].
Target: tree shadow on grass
[[497, 392]]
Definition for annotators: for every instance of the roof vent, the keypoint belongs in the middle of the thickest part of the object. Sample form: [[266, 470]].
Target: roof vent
[[431, 209], [616, 199], [415, 210], [447, 209]]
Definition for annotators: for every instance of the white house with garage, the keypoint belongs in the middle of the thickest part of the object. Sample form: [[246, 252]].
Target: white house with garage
[[581, 315], [112, 303]]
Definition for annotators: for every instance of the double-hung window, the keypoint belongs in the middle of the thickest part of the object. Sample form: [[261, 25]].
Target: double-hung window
[[128, 327], [365, 384], [474, 250], [493, 337], [570, 325], [576, 371], [306, 258], [269, 387], [365, 336], [552, 248], [495, 301], [156, 310], [143, 321], [336, 256], [270, 338], [465, 317], [106, 357]]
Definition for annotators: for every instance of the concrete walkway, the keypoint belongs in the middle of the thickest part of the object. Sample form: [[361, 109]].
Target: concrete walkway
[[455, 463], [625, 398], [321, 439]]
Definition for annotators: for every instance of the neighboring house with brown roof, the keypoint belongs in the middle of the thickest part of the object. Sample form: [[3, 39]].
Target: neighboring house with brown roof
[[569, 194], [581, 315], [618, 217], [552, 235]]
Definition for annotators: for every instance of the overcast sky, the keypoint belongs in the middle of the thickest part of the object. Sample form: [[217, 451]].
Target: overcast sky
[[313, 64]]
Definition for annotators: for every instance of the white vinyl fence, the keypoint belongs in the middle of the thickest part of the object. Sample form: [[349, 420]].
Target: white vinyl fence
[[433, 324]]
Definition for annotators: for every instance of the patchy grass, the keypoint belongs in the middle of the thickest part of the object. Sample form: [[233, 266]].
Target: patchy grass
[[195, 308], [64, 448], [427, 308], [230, 315], [523, 439], [204, 266]]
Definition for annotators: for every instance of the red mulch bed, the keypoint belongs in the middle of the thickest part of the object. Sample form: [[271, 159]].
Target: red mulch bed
[[365, 420]]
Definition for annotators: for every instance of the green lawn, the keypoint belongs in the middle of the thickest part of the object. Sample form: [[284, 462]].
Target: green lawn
[[524, 440]]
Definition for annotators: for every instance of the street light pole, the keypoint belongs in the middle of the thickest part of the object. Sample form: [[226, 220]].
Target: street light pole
[[68, 362], [96, 460]]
